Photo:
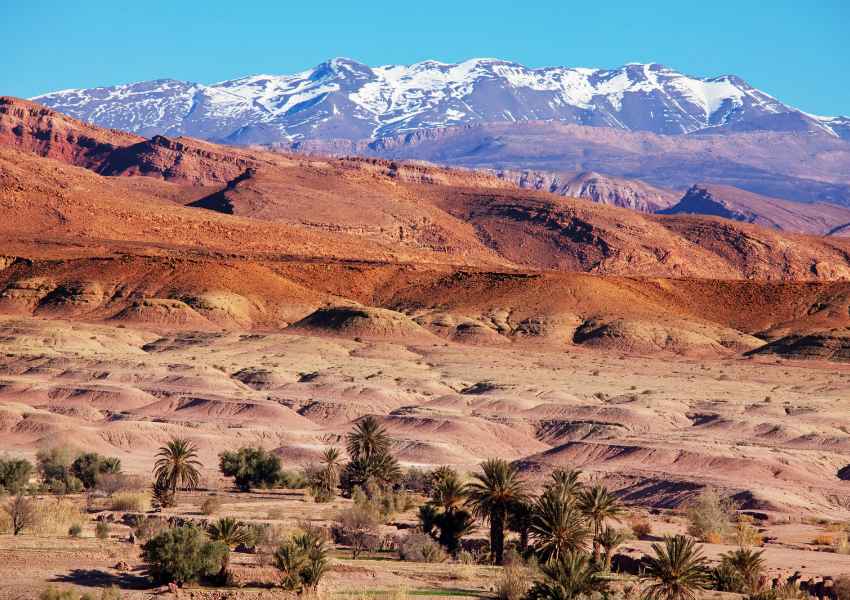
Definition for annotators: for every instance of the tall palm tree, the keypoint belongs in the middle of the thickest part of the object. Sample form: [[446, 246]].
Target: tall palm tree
[[558, 528], [748, 564], [331, 467], [368, 438], [598, 504], [491, 495], [571, 577], [677, 570], [332, 460], [609, 540], [177, 465]]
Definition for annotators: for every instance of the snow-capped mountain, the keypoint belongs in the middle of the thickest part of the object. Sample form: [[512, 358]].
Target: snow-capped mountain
[[344, 99]]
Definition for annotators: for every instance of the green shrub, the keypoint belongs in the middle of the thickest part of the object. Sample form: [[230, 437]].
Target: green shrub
[[56, 469], [302, 561], [293, 480], [75, 530], [89, 466], [183, 554], [251, 467], [14, 475], [101, 530]]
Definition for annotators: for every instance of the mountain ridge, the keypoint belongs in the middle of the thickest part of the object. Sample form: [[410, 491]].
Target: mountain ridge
[[344, 99]]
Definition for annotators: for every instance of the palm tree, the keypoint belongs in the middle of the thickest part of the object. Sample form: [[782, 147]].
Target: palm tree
[[598, 504], [677, 570], [748, 564], [331, 461], [368, 439], [491, 495], [558, 528], [448, 493], [610, 539], [519, 521], [568, 578], [567, 480], [230, 532], [177, 465]]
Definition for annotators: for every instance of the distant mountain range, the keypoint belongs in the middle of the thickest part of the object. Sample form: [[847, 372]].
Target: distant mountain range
[[345, 99]]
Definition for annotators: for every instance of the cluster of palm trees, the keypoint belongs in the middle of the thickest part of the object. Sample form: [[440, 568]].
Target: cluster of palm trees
[[566, 519]]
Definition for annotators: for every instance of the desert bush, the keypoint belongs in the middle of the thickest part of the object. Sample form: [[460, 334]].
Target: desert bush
[[55, 515], [14, 475], [101, 530], [147, 528], [710, 516], [823, 539], [21, 512], [357, 527], [418, 547], [75, 530], [111, 483], [211, 505], [130, 502], [183, 554], [302, 561], [640, 527], [514, 582], [251, 467], [746, 535]]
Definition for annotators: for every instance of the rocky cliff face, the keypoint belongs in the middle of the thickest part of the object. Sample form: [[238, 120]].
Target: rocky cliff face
[[613, 191], [739, 205]]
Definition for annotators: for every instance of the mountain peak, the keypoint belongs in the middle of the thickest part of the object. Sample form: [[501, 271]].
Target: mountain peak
[[343, 98]]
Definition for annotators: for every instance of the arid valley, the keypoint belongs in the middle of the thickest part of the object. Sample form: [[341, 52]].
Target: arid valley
[[167, 289]]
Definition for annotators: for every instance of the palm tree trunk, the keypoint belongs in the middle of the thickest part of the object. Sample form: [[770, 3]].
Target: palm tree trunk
[[497, 537]]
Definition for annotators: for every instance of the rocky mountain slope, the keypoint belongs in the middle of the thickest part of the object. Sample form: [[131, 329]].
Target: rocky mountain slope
[[809, 167], [732, 203], [213, 196], [342, 98], [602, 189]]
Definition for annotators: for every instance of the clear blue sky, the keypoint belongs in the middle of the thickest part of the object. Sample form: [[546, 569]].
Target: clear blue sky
[[797, 51]]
